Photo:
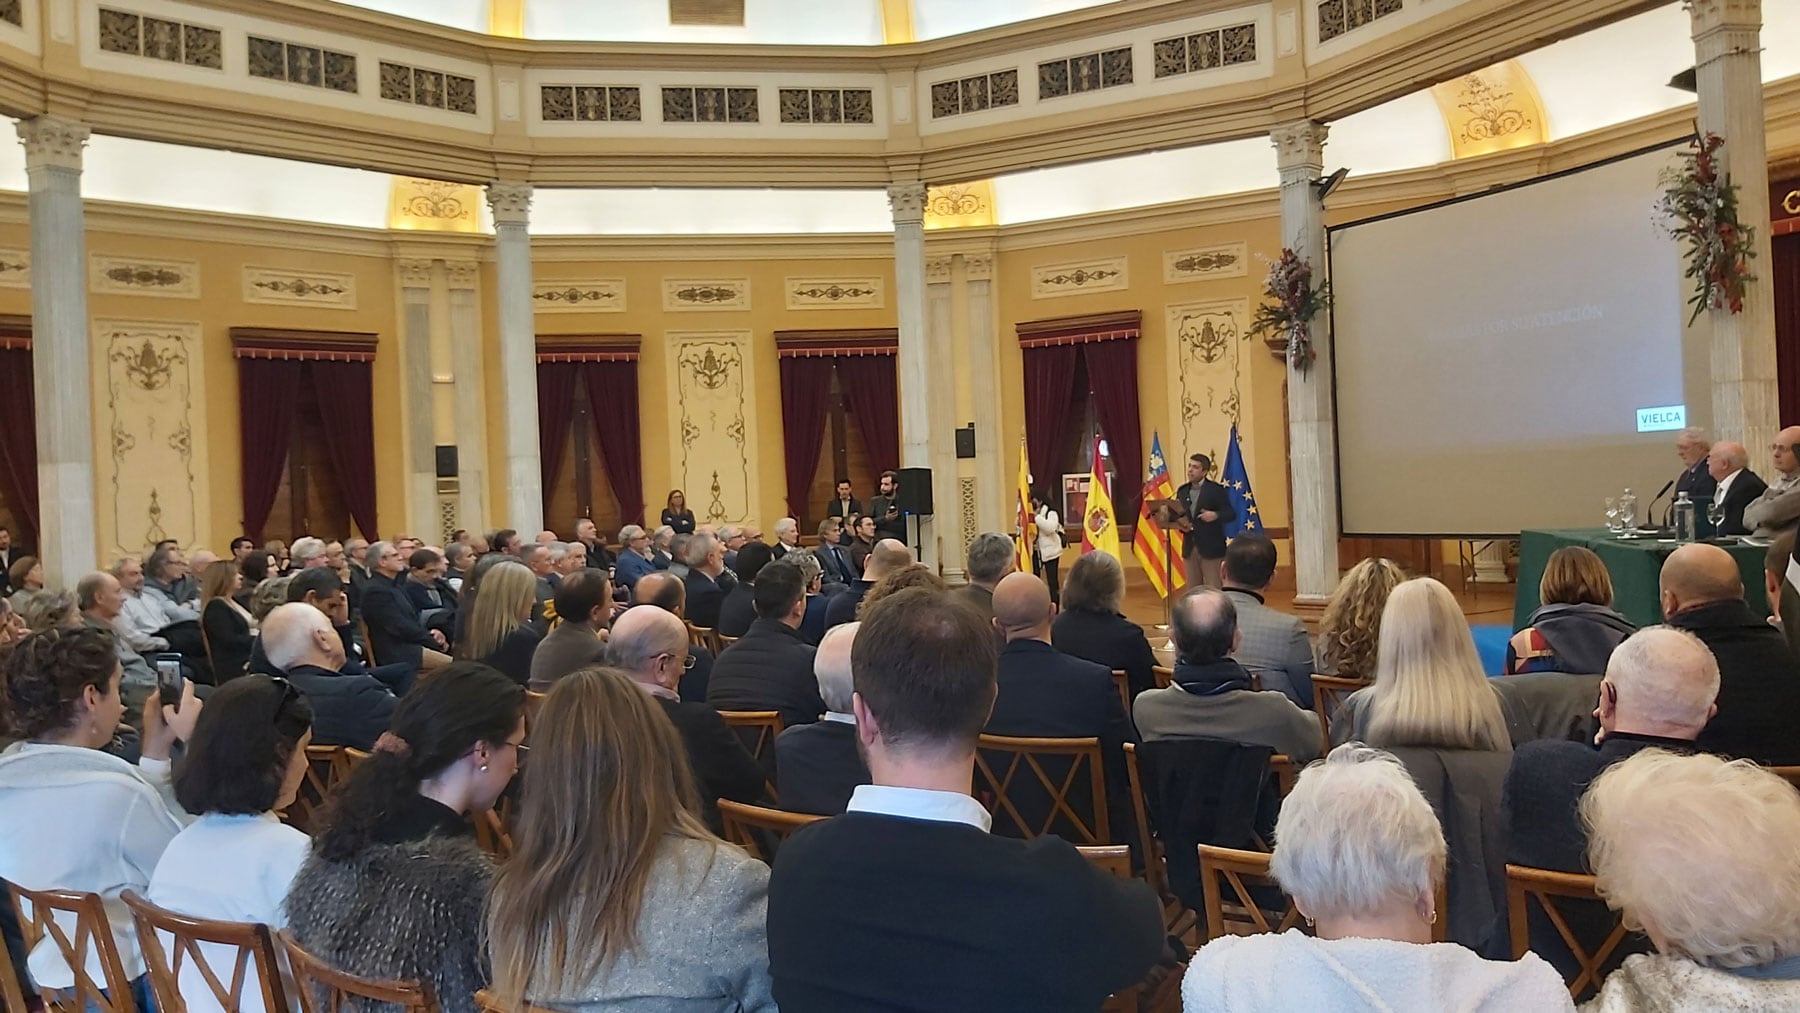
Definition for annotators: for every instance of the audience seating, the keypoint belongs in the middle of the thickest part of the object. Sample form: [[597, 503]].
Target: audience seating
[[702, 636], [1071, 812], [1161, 989], [251, 945], [1524, 885], [1124, 687], [756, 829], [724, 641], [1165, 676], [1176, 916], [325, 989], [1329, 694], [1247, 910], [92, 936], [325, 767], [1114, 858], [368, 644], [1285, 771], [758, 730], [492, 834], [12, 995]]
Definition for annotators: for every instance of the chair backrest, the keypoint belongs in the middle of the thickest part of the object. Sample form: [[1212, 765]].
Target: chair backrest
[[1329, 694], [12, 980], [325, 989], [247, 945], [90, 938], [1552, 891], [1037, 786], [1122, 683], [725, 641], [704, 636], [757, 728], [1165, 676], [1242, 897], [752, 826], [487, 1002], [1285, 771], [325, 767], [368, 642], [492, 833], [1200, 791], [1114, 858]]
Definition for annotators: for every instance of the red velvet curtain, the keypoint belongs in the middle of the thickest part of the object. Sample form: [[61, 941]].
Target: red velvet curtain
[[612, 389], [805, 399], [872, 386], [347, 411], [268, 395], [556, 408], [1112, 371], [1049, 384], [1784, 274], [18, 438]]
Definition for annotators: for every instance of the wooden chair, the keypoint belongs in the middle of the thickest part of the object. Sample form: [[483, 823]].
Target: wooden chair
[[1176, 917], [92, 937], [325, 989], [751, 826], [1242, 914], [1165, 676], [492, 834], [1525, 884], [1286, 772], [757, 728], [325, 767], [12, 993], [1123, 685], [362, 631], [1329, 694], [487, 1002], [725, 641], [250, 945], [1114, 858], [703, 636], [1029, 754]]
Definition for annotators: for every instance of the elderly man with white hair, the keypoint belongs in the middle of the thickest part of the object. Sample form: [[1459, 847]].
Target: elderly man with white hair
[[1359, 850], [787, 536], [307, 552], [635, 556], [818, 765], [1735, 488], [1698, 853], [349, 709], [1692, 445]]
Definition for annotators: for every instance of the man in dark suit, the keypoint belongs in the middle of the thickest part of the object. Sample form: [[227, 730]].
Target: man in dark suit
[[668, 593], [1737, 487], [652, 646], [599, 557], [817, 765], [737, 611], [846, 504], [771, 668], [1759, 678], [834, 559], [890, 521], [906, 901], [888, 556], [1208, 509], [1695, 479], [395, 632], [428, 592], [349, 709], [991, 557], [705, 558]]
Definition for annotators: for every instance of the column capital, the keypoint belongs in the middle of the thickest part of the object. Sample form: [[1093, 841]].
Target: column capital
[[937, 270], [414, 273], [463, 273], [907, 201], [1299, 144], [511, 203], [50, 141], [1712, 15], [979, 266]]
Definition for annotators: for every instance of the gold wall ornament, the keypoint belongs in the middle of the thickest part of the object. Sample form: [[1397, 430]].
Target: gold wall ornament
[[960, 206], [282, 287], [706, 293], [1050, 280], [712, 389], [1205, 263], [430, 205], [150, 371], [1493, 109], [833, 293], [593, 295], [1204, 368]]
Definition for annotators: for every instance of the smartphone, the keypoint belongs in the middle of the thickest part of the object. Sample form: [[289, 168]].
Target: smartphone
[[168, 679]]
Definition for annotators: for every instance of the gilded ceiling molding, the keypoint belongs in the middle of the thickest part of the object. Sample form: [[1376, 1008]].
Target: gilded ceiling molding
[[53, 142], [961, 206], [431, 205], [1493, 109]]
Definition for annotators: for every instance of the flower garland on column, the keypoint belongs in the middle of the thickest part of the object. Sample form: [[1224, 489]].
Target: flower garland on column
[[1293, 303], [1700, 207]]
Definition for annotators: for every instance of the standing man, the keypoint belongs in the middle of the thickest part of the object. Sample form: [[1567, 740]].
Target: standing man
[[885, 508], [846, 504], [1696, 478], [1208, 510]]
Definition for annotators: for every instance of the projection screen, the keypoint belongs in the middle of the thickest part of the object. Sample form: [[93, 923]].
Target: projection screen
[[1509, 360]]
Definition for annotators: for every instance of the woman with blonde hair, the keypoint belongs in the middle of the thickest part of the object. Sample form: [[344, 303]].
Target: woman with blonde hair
[[1351, 625], [499, 632], [1698, 854], [616, 895], [1576, 627], [227, 624]]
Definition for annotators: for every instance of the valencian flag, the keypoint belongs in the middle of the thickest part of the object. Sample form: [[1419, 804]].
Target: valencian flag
[[1027, 517], [1147, 544], [1100, 526], [1237, 488]]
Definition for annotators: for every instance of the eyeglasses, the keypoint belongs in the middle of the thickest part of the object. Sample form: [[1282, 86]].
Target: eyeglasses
[[521, 748], [687, 663], [1782, 448]]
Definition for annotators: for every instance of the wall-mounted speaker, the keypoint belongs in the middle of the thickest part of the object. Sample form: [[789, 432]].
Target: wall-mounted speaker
[[915, 491], [446, 461], [965, 442]]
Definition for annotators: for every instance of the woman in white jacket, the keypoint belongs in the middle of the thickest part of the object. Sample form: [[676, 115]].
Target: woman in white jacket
[[1047, 540], [1360, 852], [76, 818]]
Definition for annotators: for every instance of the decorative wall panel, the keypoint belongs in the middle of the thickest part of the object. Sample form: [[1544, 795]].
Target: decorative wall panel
[[1204, 263], [1339, 16], [433, 205], [1085, 73], [570, 102], [312, 66], [323, 289], [960, 205], [710, 105], [1220, 47], [833, 293], [711, 385], [973, 94], [160, 39], [1492, 109], [1050, 280], [15, 268], [171, 279], [1206, 348], [151, 371], [595, 295], [827, 105], [706, 293], [422, 87]]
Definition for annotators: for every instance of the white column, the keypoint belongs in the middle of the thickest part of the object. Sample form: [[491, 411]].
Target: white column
[[1312, 463], [59, 348], [511, 203], [907, 200], [415, 343], [993, 495], [1728, 59], [470, 395]]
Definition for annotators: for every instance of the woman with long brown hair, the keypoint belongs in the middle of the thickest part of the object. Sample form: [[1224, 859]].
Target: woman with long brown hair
[[227, 623], [616, 894], [1350, 629]]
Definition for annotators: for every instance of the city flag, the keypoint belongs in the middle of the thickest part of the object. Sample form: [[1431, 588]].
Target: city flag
[[1027, 517], [1237, 488], [1147, 544], [1100, 527]]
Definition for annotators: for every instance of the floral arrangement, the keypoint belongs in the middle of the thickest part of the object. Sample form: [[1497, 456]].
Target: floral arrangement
[[1700, 208], [1294, 302]]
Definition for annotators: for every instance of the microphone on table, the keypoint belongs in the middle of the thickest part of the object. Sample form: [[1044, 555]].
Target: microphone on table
[[1665, 491]]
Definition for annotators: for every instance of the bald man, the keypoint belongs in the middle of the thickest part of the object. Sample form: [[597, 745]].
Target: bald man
[[818, 765], [1737, 486], [667, 592], [1759, 678], [887, 556], [1045, 693], [349, 708], [1778, 508]]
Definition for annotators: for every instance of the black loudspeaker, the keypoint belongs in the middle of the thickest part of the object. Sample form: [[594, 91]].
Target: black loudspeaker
[[915, 491], [446, 461], [965, 442]]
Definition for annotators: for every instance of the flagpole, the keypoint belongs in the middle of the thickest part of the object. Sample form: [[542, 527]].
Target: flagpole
[[1168, 581]]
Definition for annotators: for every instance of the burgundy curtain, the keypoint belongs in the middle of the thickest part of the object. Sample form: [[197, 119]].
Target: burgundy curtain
[[556, 407], [347, 410], [268, 396], [805, 398], [1112, 370], [1784, 274], [612, 389], [871, 385], [18, 438], [1049, 384]]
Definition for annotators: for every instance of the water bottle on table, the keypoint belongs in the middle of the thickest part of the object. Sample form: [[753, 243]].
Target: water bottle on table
[[1683, 516]]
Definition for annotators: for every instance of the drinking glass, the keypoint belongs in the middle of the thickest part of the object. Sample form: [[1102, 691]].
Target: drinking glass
[[1612, 515], [1628, 512], [1715, 515]]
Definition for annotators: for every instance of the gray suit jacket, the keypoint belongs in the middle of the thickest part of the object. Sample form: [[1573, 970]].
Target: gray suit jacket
[[1275, 647], [1773, 511], [1261, 719]]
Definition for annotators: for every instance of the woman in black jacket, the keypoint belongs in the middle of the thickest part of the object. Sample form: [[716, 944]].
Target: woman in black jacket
[[676, 515], [226, 623], [1091, 627]]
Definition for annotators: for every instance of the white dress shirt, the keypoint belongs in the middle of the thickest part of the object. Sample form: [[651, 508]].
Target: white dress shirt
[[920, 804], [1725, 486]]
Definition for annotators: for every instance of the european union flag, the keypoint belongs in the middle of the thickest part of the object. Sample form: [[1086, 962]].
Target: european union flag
[[1237, 486]]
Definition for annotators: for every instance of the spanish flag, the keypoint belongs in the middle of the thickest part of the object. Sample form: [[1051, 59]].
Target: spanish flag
[[1027, 517], [1147, 542], [1100, 527]]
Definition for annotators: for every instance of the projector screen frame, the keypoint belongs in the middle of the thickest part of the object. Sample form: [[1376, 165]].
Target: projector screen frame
[[1331, 314]]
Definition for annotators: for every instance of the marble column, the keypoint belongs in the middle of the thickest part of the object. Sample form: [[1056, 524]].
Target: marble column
[[993, 494], [415, 343], [61, 372], [1728, 62], [511, 203], [1312, 463], [469, 393], [916, 370]]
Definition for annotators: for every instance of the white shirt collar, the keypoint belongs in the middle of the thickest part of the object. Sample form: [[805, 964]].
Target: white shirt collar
[[1724, 484], [839, 716], [920, 804]]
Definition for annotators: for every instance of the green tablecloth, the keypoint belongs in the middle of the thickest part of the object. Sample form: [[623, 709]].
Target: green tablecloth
[[1633, 563]]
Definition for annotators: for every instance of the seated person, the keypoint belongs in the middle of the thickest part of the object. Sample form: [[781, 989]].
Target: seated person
[[499, 633], [946, 916], [887, 556], [736, 612], [667, 592], [1274, 644], [1092, 626], [705, 556], [991, 557], [228, 625], [1359, 850], [770, 668], [1778, 506], [1738, 486], [1699, 852], [584, 604], [349, 709], [834, 558], [1350, 628], [429, 592], [1576, 627], [817, 764], [395, 632], [635, 556], [812, 625]]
